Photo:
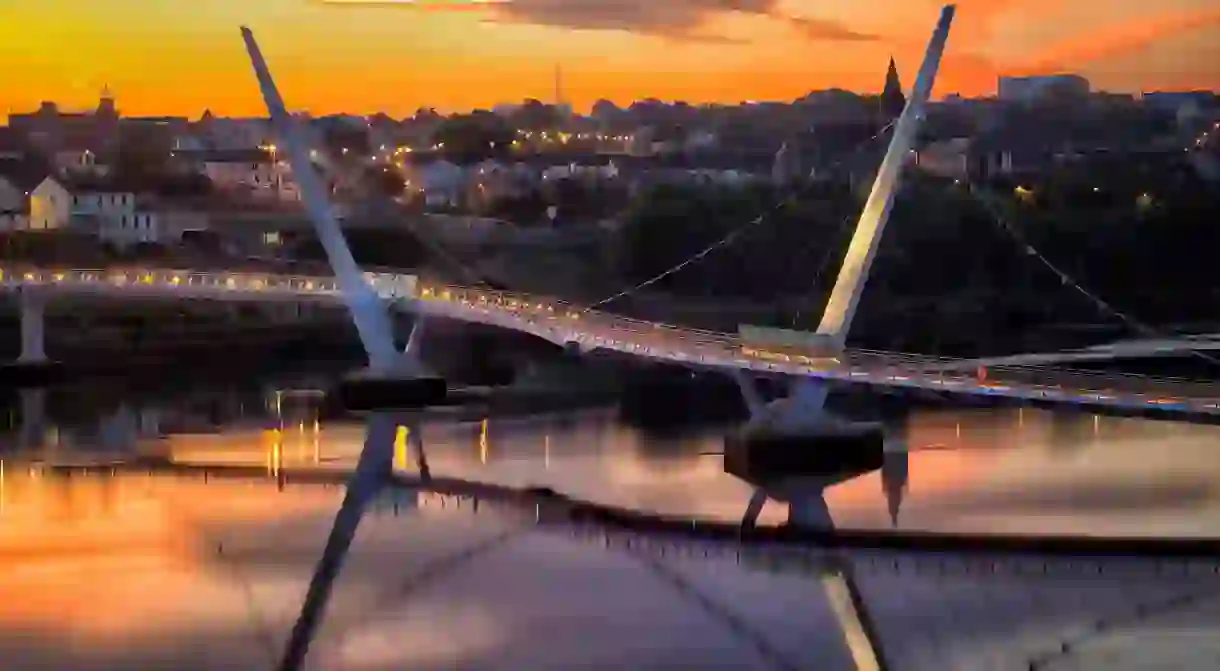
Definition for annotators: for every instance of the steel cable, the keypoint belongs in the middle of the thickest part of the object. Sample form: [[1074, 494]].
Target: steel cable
[[737, 232], [1103, 306]]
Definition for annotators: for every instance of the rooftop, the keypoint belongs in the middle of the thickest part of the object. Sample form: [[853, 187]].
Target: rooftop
[[225, 155], [24, 173]]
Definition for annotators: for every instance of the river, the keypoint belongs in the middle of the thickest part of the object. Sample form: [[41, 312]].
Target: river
[[139, 571]]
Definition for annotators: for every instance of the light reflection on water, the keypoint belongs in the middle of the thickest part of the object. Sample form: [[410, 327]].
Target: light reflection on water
[[976, 470], [1014, 471], [134, 571]]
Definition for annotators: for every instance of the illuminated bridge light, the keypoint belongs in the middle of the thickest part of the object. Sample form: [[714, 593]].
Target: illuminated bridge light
[[175, 280], [29, 277], [58, 277], [231, 283]]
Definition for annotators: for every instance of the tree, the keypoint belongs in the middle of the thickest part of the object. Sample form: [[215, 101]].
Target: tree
[[533, 115], [524, 209], [474, 137], [342, 139], [143, 154], [606, 111], [386, 181]]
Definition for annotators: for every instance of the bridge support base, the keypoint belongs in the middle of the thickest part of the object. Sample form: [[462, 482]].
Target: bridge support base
[[404, 387], [121, 429], [795, 436], [810, 512], [33, 328], [33, 429], [369, 391], [32, 366]]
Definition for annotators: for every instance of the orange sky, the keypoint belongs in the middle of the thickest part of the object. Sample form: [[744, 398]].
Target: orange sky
[[181, 57]]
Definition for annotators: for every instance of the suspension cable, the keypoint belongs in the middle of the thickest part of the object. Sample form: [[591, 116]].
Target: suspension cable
[[714, 609], [998, 217], [737, 232], [1143, 612]]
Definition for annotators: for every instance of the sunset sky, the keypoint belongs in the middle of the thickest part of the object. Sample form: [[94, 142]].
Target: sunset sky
[[183, 56]]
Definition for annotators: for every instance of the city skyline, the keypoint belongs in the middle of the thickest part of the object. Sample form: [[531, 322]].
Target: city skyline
[[182, 58]]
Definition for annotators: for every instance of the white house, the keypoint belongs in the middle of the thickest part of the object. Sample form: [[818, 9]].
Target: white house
[[255, 172], [111, 214], [123, 218], [440, 182], [160, 223], [78, 162], [573, 170], [50, 205]]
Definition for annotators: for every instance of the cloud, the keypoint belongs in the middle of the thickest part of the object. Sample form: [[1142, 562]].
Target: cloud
[[672, 19], [1119, 40], [821, 29]]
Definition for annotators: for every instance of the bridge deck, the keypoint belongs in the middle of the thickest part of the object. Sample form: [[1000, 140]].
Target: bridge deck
[[561, 323]]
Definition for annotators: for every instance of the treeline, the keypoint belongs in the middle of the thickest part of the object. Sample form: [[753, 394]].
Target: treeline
[[948, 275]]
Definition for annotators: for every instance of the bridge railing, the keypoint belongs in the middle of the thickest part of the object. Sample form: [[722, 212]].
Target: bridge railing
[[166, 278], [396, 285], [539, 312], [918, 364]]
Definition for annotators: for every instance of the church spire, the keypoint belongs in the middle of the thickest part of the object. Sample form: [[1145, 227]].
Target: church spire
[[895, 475], [892, 98], [105, 104]]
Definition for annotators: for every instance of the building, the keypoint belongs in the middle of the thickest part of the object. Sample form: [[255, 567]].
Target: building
[[18, 178], [947, 158], [50, 130], [155, 221], [787, 165], [123, 218], [248, 172], [13, 145], [108, 211], [440, 183], [225, 134], [78, 161], [893, 101], [31, 197], [1175, 101], [50, 205], [1062, 87], [491, 181]]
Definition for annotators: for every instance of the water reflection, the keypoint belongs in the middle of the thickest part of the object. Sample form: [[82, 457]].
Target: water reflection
[[187, 572], [979, 470]]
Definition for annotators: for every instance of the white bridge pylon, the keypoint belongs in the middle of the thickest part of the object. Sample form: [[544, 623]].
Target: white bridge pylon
[[808, 396], [369, 313]]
